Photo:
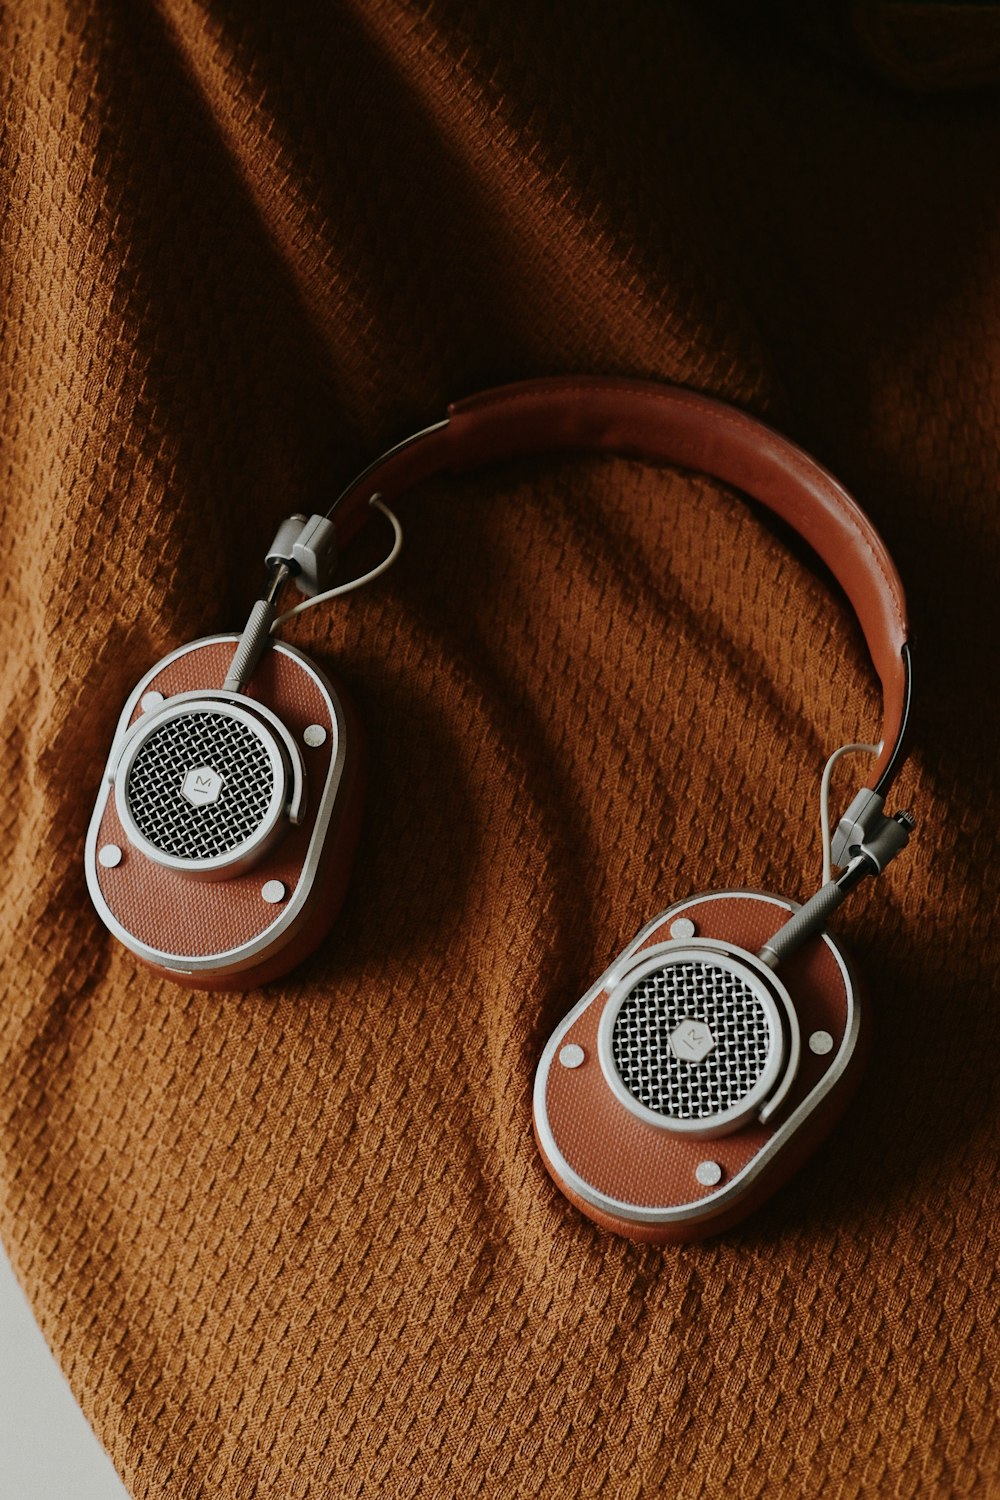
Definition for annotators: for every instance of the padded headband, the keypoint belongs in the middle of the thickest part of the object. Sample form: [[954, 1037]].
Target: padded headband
[[675, 426]]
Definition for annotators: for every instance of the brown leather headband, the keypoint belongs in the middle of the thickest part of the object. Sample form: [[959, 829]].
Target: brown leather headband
[[676, 426]]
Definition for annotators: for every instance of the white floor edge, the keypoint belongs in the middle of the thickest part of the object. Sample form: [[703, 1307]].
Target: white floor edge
[[46, 1447]]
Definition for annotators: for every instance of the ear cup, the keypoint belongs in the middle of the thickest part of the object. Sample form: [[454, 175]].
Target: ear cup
[[205, 856], [690, 1080]]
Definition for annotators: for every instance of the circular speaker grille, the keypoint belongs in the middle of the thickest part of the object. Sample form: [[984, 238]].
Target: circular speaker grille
[[691, 1040], [200, 785]]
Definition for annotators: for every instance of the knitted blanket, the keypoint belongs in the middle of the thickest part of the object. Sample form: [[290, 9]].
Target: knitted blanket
[[299, 1242]]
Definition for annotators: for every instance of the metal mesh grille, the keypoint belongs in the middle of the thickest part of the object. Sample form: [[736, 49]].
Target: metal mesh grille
[[736, 1052], [163, 814]]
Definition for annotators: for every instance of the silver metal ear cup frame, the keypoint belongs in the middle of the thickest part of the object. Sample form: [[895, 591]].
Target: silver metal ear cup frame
[[280, 922], [701, 1206], [695, 1040], [203, 784]]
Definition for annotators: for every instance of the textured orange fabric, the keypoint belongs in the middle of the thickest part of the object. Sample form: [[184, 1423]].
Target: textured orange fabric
[[299, 1242]]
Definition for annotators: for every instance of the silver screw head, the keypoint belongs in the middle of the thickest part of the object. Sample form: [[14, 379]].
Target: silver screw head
[[682, 927], [109, 855], [150, 701], [571, 1056], [314, 736], [821, 1042], [708, 1173], [272, 891]]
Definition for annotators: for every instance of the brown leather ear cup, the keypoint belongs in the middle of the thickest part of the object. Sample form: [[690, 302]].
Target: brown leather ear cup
[[255, 924], [656, 1184]]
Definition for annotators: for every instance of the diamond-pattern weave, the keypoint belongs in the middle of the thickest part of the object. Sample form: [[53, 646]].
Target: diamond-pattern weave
[[298, 1244]]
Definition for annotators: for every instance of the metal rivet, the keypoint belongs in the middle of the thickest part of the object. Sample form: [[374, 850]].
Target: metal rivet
[[682, 928], [314, 735], [708, 1173], [151, 701], [821, 1042], [571, 1056], [109, 856], [273, 891]]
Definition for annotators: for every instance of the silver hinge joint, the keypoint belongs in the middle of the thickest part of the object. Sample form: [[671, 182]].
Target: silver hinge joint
[[864, 829], [307, 548]]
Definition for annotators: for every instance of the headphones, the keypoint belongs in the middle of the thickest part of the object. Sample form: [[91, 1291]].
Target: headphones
[[723, 1042]]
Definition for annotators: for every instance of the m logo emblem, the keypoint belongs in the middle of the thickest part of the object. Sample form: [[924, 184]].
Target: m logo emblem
[[692, 1041], [201, 786]]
